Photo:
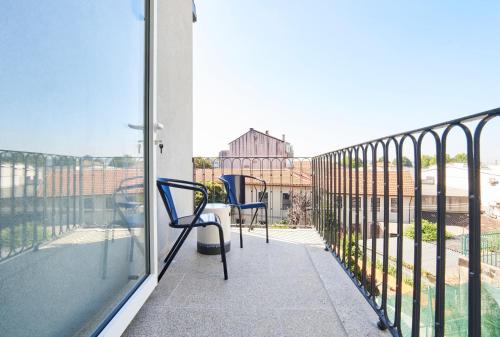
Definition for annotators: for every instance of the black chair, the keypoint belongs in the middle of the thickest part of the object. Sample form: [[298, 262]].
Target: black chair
[[235, 190], [187, 223]]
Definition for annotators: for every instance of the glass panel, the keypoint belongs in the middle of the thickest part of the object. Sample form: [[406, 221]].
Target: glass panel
[[72, 220]]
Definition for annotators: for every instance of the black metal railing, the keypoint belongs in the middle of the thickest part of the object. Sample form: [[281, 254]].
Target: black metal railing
[[406, 268], [289, 186], [44, 196]]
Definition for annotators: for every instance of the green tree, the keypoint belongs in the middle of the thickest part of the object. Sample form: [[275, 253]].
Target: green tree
[[124, 161], [201, 162], [428, 160], [459, 158], [216, 193], [406, 162]]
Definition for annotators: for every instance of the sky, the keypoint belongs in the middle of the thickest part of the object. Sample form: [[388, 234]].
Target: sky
[[329, 73], [71, 76]]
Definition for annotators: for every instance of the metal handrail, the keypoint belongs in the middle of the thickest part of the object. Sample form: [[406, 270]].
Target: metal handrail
[[349, 230]]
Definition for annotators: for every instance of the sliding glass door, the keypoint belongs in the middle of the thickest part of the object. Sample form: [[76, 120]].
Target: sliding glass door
[[73, 102]]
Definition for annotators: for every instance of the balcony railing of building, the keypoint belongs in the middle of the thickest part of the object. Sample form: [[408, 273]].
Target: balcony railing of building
[[44, 196], [417, 284], [289, 186]]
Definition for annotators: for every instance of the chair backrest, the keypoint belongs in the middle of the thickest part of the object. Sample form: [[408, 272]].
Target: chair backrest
[[235, 188], [128, 201], [166, 196]]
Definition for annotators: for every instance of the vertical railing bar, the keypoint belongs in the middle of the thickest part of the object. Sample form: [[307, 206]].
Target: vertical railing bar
[[356, 238], [12, 207], [74, 191], [60, 194], [386, 238], [349, 236], [417, 258], [399, 253], [24, 239], [335, 203], [1, 203], [344, 207], [80, 192], [374, 225], [475, 233], [440, 249], [365, 216], [34, 216], [68, 194], [45, 201], [331, 204]]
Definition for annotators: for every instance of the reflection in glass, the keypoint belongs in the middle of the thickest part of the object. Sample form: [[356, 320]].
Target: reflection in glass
[[72, 200]]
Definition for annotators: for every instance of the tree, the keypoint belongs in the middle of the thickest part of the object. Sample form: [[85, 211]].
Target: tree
[[406, 162], [124, 161], [353, 162], [201, 162], [216, 193], [301, 203], [459, 158], [428, 160]]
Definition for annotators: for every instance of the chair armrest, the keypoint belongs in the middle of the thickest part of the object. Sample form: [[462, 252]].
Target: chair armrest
[[183, 182]]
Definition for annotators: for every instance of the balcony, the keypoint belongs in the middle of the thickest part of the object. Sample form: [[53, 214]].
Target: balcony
[[289, 287], [385, 237]]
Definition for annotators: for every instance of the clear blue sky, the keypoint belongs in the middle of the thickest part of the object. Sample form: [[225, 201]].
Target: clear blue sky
[[71, 76], [327, 74], [334, 73]]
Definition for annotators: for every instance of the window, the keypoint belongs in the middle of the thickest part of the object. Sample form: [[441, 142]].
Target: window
[[285, 201], [74, 98], [377, 204], [394, 205], [355, 202]]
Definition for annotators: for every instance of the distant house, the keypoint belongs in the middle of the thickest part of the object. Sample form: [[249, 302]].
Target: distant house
[[457, 194], [256, 144]]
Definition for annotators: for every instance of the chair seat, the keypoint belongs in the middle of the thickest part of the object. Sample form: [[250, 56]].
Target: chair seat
[[252, 205], [185, 221]]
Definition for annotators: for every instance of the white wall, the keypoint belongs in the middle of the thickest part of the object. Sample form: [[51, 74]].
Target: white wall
[[174, 103]]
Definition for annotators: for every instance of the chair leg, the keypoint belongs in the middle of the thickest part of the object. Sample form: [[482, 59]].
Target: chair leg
[[175, 244], [267, 231], [222, 250], [175, 249], [241, 230], [250, 227]]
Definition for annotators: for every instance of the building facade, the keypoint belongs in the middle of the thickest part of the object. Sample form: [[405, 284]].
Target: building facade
[[256, 144]]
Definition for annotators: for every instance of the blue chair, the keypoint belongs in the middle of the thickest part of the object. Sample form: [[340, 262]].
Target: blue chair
[[128, 212], [235, 190], [187, 223]]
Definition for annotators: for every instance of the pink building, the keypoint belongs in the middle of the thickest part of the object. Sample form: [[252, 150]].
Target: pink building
[[256, 144]]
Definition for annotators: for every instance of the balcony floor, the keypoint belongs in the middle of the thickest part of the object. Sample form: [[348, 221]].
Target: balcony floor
[[289, 287]]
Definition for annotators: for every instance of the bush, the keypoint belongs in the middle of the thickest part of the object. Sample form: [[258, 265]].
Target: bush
[[216, 193], [429, 231]]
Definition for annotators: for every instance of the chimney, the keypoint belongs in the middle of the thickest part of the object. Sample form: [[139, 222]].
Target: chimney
[[283, 137], [267, 132], [251, 129]]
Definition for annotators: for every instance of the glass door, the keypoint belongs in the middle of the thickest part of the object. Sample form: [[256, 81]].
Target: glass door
[[73, 100]]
